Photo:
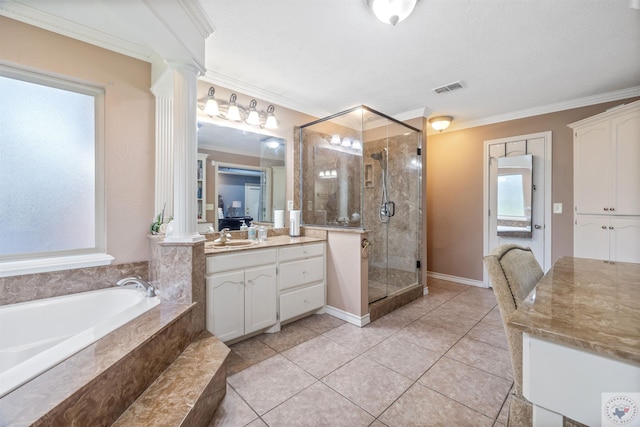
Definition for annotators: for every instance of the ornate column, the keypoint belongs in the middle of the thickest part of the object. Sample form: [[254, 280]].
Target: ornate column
[[163, 91], [185, 151]]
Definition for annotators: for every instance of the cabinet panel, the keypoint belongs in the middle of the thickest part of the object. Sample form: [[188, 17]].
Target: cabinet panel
[[297, 273], [240, 259], [225, 305], [591, 237], [260, 298], [626, 170], [625, 240], [291, 253], [593, 168], [301, 301]]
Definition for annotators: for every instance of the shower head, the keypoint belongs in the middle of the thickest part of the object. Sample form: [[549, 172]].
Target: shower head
[[377, 156]]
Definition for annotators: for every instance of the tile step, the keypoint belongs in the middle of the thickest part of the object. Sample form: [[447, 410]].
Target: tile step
[[188, 392]]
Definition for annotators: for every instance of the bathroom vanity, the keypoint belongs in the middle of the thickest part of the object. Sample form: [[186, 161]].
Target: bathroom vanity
[[256, 287]]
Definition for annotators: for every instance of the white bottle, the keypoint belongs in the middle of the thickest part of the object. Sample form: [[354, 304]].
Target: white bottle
[[262, 233], [252, 232]]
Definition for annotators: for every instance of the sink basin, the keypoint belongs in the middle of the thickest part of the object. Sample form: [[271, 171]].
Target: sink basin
[[230, 244]]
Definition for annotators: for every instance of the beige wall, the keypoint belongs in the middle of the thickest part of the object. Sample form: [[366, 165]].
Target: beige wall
[[454, 188], [129, 124]]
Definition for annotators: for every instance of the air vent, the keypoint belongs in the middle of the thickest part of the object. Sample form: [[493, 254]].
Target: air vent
[[449, 87]]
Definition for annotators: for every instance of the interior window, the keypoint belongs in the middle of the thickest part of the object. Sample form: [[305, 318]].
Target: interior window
[[51, 155]]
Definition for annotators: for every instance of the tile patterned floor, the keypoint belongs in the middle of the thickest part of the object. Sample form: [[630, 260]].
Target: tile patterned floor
[[439, 361]]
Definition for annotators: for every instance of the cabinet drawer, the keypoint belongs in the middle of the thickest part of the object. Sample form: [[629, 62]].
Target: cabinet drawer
[[301, 301], [240, 260], [296, 273], [294, 252]]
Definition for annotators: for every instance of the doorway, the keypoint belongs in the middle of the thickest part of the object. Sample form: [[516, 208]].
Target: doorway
[[538, 210]]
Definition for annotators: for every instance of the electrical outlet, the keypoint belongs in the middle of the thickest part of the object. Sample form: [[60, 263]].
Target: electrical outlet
[[290, 205], [557, 208]]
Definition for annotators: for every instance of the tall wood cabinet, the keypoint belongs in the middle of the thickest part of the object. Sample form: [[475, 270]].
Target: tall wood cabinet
[[607, 185]]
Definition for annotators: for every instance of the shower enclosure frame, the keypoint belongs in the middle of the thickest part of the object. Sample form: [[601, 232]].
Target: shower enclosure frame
[[385, 205]]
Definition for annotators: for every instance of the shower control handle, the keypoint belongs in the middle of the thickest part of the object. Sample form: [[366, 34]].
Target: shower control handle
[[391, 208]]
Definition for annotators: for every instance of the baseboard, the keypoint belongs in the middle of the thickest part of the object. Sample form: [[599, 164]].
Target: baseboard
[[456, 279], [348, 317]]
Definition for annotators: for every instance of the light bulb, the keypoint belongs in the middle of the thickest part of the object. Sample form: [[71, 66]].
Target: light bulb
[[253, 118]]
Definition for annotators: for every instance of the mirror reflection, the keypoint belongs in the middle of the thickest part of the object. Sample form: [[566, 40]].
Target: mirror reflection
[[244, 173], [514, 195]]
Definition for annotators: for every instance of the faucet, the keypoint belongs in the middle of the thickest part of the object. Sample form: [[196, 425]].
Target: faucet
[[150, 290], [224, 236]]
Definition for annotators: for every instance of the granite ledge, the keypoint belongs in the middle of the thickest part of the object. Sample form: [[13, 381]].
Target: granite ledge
[[271, 242]]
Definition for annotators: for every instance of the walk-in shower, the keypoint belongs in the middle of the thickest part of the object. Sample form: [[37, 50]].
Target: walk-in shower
[[362, 169]]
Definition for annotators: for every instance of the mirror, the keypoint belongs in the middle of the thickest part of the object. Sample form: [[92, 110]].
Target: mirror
[[245, 175], [514, 196]]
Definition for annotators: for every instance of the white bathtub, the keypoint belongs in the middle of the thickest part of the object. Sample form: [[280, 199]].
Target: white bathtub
[[37, 335]]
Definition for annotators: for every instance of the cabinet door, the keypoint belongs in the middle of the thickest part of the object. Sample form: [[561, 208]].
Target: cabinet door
[[626, 173], [625, 239], [593, 169], [260, 298], [225, 305], [591, 237]]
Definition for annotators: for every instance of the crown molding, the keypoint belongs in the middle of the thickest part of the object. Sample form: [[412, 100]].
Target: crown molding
[[545, 109], [257, 92], [196, 13], [29, 15]]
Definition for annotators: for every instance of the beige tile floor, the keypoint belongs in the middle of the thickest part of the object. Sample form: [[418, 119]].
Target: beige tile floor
[[439, 361]]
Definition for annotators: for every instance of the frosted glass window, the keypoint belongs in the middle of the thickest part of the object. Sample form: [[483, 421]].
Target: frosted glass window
[[49, 200]]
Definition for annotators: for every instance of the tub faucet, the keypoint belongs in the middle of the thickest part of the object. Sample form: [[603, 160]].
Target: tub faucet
[[150, 290]]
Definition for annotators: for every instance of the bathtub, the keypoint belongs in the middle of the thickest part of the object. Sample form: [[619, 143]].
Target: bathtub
[[37, 335]]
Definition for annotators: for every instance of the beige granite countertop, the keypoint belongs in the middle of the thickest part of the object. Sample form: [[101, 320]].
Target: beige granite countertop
[[589, 304], [271, 242]]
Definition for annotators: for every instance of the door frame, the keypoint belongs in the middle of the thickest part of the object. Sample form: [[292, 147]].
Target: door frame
[[547, 136]]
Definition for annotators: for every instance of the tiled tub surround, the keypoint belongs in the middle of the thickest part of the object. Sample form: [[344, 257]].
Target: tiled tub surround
[[97, 384], [35, 336], [56, 283]]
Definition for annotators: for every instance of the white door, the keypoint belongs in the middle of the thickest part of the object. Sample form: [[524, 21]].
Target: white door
[[624, 239], [591, 237], [539, 146], [252, 195], [225, 305]]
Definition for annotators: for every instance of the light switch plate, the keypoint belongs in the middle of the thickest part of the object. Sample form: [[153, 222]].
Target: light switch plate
[[290, 205], [557, 208]]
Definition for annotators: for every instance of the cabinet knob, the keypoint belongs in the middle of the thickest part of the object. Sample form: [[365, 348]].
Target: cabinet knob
[[610, 227], [606, 209], [604, 227], [612, 209]]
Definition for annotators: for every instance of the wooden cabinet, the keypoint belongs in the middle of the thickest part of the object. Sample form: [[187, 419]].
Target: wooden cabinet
[[241, 293], [607, 185], [301, 280]]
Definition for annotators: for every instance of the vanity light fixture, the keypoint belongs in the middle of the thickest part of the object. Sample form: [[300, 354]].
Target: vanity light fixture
[[272, 143], [346, 142], [356, 145], [335, 139], [392, 11], [253, 118], [440, 123], [271, 122], [233, 113], [211, 107]]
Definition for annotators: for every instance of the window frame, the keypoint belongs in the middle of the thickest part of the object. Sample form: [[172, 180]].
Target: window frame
[[38, 262]]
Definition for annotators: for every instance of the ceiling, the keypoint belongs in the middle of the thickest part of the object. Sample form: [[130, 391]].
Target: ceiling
[[515, 58]]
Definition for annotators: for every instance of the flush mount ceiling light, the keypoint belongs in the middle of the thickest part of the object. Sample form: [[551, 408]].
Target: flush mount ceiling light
[[233, 111], [392, 11], [440, 123]]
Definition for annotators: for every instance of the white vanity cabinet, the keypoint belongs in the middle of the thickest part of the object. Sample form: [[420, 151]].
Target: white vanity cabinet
[[608, 238], [301, 279], [241, 293]]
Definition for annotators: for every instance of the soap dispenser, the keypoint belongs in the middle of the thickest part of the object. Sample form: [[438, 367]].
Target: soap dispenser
[[243, 226], [252, 232]]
